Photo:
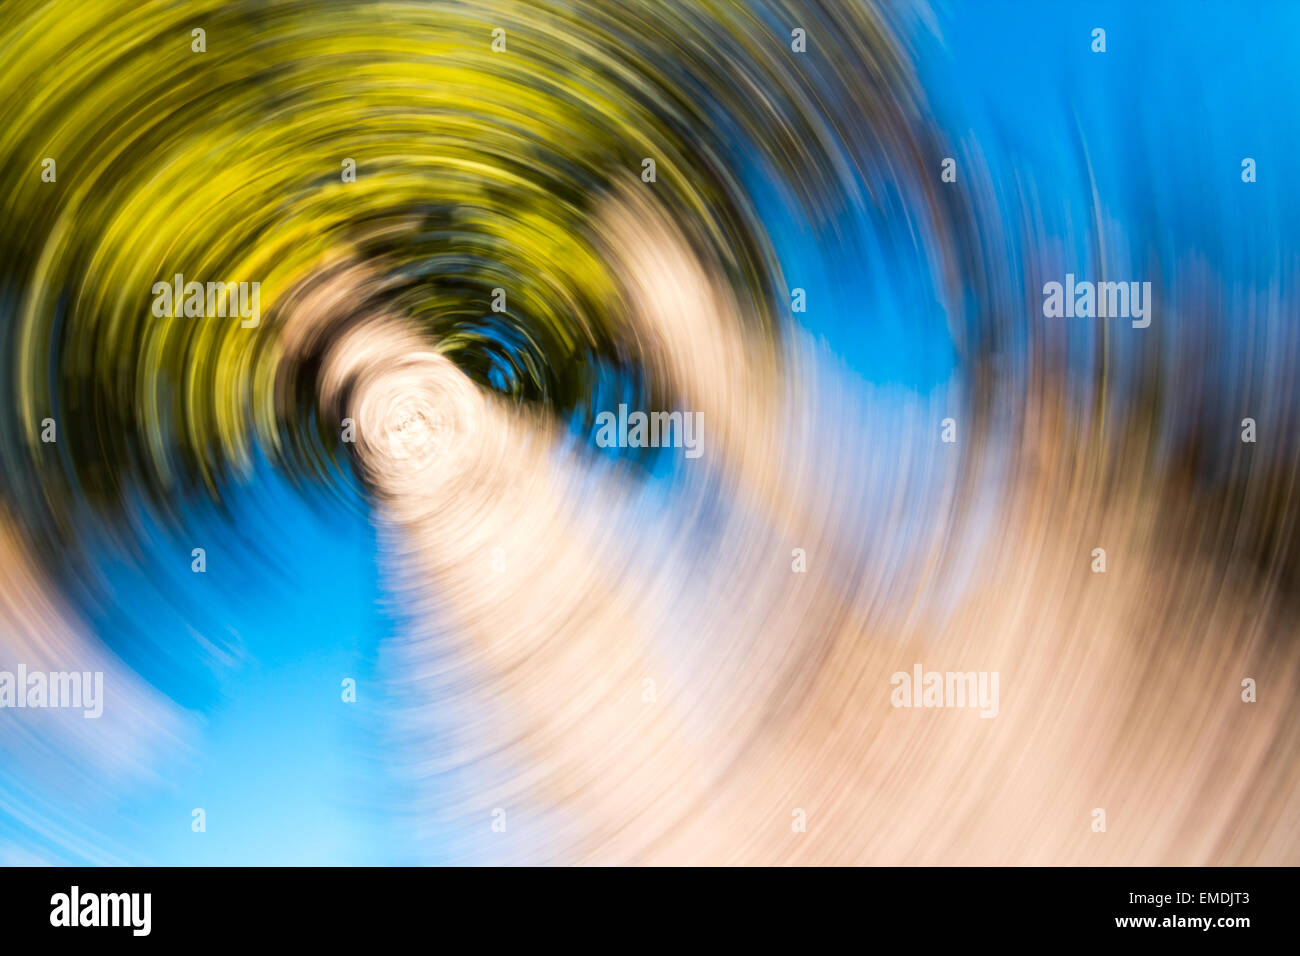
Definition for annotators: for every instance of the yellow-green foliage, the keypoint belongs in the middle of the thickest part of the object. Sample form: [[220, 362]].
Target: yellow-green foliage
[[475, 169]]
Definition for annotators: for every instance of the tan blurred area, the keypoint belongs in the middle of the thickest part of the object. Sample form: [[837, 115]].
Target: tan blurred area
[[635, 679], [131, 741]]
